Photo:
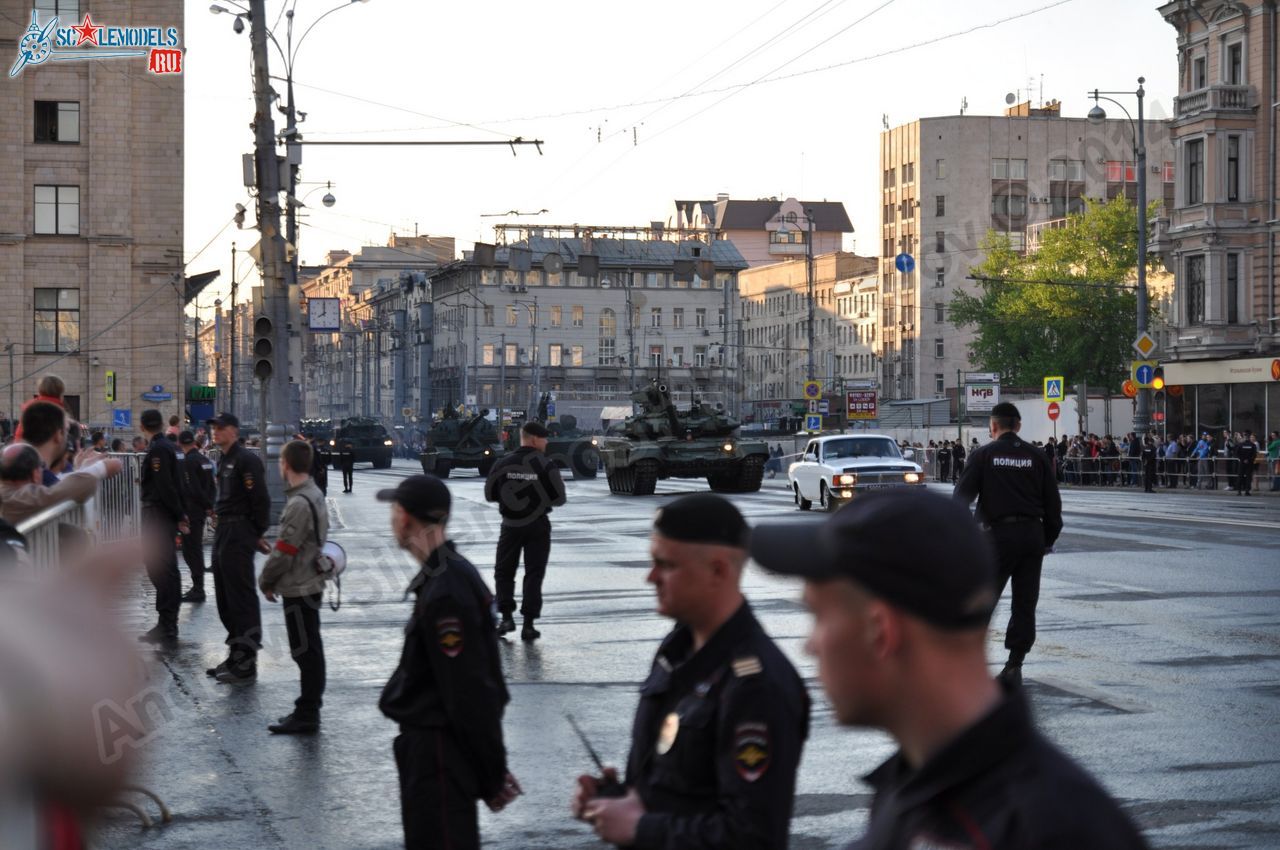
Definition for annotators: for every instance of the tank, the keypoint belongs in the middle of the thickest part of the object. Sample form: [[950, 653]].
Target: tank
[[568, 446], [661, 442], [456, 443], [370, 442]]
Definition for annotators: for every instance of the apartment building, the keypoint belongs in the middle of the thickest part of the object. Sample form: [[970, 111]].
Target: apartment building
[[765, 230], [947, 181], [91, 218], [584, 315], [1219, 237], [773, 318]]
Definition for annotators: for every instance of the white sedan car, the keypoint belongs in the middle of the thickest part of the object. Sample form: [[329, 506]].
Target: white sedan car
[[835, 468]]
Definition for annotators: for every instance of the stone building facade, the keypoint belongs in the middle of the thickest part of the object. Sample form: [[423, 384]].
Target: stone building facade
[[91, 218]]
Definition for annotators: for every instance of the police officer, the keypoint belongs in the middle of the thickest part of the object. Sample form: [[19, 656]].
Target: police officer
[[899, 634], [1149, 453], [1247, 454], [243, 510], [347, 462], [526, 486], [320, 461], [723, 715], [162, 517], [1018, 501], [199, 492], [447, 693]]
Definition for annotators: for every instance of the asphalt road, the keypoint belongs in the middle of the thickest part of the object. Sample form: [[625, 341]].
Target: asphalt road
[[1156, 666]]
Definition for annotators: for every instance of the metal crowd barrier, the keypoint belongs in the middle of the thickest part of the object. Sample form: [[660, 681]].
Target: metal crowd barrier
[[113, 513], [1218, 473]]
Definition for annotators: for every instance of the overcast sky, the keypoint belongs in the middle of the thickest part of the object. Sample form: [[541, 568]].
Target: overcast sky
[[637, 103]]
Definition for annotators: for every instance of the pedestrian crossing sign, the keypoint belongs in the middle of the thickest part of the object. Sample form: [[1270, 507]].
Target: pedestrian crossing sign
[[1053, 388], [813, 423]]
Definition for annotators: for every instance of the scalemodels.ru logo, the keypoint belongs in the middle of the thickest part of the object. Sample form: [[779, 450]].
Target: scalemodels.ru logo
[[49, 42]]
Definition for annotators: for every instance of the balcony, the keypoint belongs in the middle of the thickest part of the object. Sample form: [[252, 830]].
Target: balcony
[[1214, 99], [1035, 232]]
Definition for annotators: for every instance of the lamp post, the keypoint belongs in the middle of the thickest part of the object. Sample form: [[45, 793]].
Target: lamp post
[[631, 330], [535, 361], [1142, 415]]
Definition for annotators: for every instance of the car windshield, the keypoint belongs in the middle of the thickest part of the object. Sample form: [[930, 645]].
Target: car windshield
[[860, 447]]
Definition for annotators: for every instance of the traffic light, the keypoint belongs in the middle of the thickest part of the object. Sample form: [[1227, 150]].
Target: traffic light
[[264, 344], [1157, 379]]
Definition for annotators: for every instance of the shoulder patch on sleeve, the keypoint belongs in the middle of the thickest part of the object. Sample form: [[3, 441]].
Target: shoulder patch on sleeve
[[155, 463], [748, 665], [247, 480], [449, 635], [751, 750]]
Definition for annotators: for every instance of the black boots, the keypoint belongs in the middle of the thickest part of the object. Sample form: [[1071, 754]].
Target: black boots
[[507, 625], [1011, 675], [529, 633], [292, 724]]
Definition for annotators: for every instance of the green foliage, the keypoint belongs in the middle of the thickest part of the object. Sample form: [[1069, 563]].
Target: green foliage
[[1080, 322]]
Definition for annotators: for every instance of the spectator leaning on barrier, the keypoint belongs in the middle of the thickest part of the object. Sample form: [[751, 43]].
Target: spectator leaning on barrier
[[45, 426], [22, 494]]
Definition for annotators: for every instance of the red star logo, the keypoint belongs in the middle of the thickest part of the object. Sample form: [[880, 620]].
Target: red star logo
[[88, 31]]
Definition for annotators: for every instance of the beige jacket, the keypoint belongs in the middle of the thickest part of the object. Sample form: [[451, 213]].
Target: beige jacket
[[19, 501], [290, 568]]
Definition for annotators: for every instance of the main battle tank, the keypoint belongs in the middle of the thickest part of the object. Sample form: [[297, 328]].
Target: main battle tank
[[454, 443], [568, 446], [661, 442]]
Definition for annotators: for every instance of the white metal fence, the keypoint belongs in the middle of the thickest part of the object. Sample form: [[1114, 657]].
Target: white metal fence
[[114, 513]]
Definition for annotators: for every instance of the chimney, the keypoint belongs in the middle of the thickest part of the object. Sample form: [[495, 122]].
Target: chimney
[[656, 229]]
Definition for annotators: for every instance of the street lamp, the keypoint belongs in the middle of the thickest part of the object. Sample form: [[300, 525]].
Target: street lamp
[[605, 283], [1142, 416]]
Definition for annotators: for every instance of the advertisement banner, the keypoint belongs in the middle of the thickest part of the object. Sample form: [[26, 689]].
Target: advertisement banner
[[980, 398], [861, 405]]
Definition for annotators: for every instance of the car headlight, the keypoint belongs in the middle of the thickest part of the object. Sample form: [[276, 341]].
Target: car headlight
[[911, 477], [388, 442], [728, 447], [594, 441], [333, 443], [846, 479]]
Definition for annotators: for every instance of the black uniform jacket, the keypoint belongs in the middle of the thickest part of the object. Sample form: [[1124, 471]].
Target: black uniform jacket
[[998, 786], [525, 484], [450, 676], [160, 481], [717, 740], [199, 489], [242, 488], [1012, 478]]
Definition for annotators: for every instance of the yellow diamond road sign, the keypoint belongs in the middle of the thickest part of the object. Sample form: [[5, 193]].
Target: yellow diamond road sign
[[1144, 344]]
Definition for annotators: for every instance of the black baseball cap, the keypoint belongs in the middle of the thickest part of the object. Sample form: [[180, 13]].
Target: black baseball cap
[[151, 419], [423, 497], [703, 518], [225, 419], [918, 551], [186, 438]]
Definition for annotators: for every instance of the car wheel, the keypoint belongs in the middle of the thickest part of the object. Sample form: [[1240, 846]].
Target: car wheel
[[801, 502], [825, 499]]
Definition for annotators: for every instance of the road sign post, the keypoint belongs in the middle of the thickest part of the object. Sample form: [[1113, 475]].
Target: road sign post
[[1054, 412]]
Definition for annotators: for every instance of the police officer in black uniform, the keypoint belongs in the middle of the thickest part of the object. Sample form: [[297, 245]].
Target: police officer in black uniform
[[1018, 501], [447, 693], [899, 635], [723, 715], [1247, 454], [347, 463], [162, 517], [199, 493], [1149, 454], [526, 486], [244, 511]]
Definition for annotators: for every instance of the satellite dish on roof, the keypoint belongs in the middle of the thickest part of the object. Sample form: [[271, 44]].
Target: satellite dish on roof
[[552, 263], [1010, 98]]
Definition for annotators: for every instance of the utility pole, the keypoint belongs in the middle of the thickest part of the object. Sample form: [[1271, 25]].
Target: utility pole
[[231, 351], [502, 377], [808, 251], [275, 390]]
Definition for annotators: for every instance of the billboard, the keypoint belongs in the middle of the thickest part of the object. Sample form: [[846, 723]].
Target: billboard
[[980, 398], [861, 405]]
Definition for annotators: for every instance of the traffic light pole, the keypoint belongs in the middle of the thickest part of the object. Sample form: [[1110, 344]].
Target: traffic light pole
[[271, 341]]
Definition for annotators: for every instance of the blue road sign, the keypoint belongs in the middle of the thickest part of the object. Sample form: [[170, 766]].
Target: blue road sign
[[813, 423], [904, 263], [1144, 374], [121, 418], [551, 408]]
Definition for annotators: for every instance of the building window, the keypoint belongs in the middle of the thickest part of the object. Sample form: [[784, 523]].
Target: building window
[[511, 354], [1121, 171], [557, 316], [1233, 289], [700, 356], [890, 178], [1199, 73], [1009, 169], [1004, 205], [576, 356], [607, 354], [1195, 171], [1233, 73], [939, 384], [677, 356], [1168, 172], [940, 169], [1233, 168], [57, 320], [512, 316], [57, 121], [68, 10], [700, 317], [677, 317], [939, 313], [486, 357], [575, 315], [940, 242], [555, 355], [57, 210], [1195, 290], [655, 317], [941, 204], [720, 319], [937, 348], [488, 315], [939, 278], [1066, 169], [608, 324], [655, 356]]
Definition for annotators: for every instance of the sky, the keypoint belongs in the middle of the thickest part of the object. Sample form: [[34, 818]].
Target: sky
[[636, 104]]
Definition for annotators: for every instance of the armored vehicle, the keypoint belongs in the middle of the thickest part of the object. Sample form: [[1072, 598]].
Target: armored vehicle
[[568, 447], [454, 443], [369, 440], [661, 442]]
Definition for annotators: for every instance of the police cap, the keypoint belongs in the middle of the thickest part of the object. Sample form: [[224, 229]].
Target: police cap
[[918, 551], [186, 438], [703, 518], [423, 497], [151, 419], [536, 429]]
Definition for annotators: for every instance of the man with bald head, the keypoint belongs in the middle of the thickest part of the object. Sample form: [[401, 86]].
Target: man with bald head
[[723, 715], [899, 632]]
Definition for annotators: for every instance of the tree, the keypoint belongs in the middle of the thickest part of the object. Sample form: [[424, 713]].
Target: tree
[[1067, 309]]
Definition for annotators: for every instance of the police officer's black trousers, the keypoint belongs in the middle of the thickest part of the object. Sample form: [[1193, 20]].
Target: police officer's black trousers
[[1019, 551], [236, 591], [348, 477], [1244, 479], [302, 622], [1149, 477], [534, 540], [193, 551], [162, 565], [437, 791]]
